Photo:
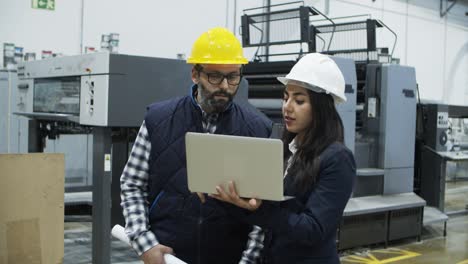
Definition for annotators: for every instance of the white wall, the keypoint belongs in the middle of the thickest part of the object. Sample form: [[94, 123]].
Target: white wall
[[437, 47], [146, 27], [152, 28], [36, 30]]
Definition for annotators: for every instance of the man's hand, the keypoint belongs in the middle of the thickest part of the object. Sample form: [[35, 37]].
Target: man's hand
[[156, 254], [202, 197], [231, 196]]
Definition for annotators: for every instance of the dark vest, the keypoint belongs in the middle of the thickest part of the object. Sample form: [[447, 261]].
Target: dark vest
[[197, 233]]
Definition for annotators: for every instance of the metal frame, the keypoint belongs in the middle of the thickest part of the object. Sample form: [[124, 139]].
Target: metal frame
[[248, 20], [107, 211], [101, 238], [447, 7], [370, 27], [307, 31]]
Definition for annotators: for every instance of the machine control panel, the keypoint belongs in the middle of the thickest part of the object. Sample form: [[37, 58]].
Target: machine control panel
[[442, 120]]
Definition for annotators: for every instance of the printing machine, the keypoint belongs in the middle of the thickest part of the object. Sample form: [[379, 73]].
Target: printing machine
[[265, 92], [379, 117], [437, 144], [384, 142], [13, 129], [103, 97], [14, 137]]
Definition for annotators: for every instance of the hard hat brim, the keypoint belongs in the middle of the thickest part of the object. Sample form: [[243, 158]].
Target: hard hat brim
[[216, 61], [317, 89]]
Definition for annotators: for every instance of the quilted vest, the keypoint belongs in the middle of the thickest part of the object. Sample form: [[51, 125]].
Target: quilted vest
[[198, 233]]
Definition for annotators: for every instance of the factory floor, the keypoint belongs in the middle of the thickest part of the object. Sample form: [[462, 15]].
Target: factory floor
[[433, 248], [78, 246], [456, 195]]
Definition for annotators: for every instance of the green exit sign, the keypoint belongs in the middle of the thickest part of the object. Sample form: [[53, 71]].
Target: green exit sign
[[43, 4]]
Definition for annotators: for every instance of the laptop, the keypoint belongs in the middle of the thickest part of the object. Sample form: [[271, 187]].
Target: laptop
[[254, 164]]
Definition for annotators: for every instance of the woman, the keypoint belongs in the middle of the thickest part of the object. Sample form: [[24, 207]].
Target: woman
[[320, 170]]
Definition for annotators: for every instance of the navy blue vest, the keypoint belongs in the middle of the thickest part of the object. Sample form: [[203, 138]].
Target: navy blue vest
[[197, 233]]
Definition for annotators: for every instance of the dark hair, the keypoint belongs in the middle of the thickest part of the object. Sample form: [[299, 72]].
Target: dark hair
[[198, 67], [325, 128]]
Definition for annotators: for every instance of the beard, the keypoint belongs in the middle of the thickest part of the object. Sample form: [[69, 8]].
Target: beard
[[212, 105]]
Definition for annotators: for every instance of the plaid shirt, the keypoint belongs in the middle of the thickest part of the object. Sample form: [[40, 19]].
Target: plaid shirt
[[134, 195]]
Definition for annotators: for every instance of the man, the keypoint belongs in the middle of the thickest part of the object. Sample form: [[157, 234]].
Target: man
[[161, 214]]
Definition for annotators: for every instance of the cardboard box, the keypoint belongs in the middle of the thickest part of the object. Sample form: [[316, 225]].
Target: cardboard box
[[31, 208]]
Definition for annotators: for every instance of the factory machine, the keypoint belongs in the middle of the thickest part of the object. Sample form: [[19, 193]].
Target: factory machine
[[95, 103], [14, 137], [442, 137], [379, 116], [274, 28], [13, 129]]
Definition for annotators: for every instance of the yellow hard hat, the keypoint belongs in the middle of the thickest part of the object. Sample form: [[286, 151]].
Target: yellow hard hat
[[217, 46]]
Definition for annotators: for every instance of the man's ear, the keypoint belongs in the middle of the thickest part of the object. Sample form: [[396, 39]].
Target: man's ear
[[195, 76]]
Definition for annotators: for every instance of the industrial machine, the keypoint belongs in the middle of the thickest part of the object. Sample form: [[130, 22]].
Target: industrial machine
[[77, 88], [437, 144], [387, 128], [380, 111], [102, 98], [266, 92], [13, 130], [272, 28], [384, 207], [379, 117], [14, 137], [65, 97]]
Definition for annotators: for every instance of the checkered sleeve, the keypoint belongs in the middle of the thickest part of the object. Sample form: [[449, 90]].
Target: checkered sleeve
[[134, 194], [254, 246]]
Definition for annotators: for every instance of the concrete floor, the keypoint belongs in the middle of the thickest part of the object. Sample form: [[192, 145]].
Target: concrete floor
[[456, 195], [433, 248], [78, 246], [456, 187]]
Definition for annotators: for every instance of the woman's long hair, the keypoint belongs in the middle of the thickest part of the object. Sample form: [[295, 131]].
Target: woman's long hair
[[325, 128]]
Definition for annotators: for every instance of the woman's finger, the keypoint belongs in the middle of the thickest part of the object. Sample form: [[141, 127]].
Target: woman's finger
[[222, 194], [232, 191], [213, 195]]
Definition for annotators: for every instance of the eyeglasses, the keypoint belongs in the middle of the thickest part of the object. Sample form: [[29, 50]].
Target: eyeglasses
[[217, 78]]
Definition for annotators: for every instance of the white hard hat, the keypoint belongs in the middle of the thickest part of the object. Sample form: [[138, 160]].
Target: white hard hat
[[319, 73]]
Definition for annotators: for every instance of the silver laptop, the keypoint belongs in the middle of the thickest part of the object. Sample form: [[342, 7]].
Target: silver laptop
[[254, 164]]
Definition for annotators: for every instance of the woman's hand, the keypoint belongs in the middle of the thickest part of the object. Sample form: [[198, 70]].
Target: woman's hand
[[231, 196]]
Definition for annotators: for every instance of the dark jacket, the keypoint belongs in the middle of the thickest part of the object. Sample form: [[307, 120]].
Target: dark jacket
[[303, 229], [197, 233]]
